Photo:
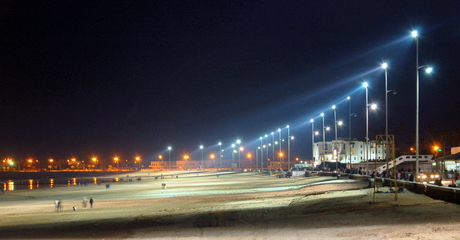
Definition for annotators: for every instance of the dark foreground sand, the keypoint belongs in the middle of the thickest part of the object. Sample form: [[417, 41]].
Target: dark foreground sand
[[230, 206]]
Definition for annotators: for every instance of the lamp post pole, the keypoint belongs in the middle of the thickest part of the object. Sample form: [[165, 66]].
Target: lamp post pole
[[335, 126], [289, 148], [387, 144], [220, 155], [279, 131], [202, 157], [169, 159], [349, 128], [324, 142], [261, 154], [312, 138], [417, 150], [367, 126], [273, 146]]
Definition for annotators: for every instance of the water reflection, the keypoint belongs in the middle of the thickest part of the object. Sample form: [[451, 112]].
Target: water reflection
[[31, 184]]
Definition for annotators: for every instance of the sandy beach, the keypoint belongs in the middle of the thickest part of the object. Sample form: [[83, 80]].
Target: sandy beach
[[225, 205]]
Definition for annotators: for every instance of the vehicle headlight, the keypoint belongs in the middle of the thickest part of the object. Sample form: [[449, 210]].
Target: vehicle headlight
[[424, 176], [437, 175]]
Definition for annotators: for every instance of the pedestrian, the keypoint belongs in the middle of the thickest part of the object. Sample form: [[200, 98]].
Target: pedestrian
[[91, 201], [3, 191], [85, 201], [74, 208], [58, 205]]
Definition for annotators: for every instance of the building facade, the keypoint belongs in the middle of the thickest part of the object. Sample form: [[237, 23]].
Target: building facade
[[345, 151]]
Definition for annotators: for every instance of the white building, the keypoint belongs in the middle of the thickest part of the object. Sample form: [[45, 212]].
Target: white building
[[344, 150]]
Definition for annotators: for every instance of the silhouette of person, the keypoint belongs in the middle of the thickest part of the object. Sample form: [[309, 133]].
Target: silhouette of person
[[91, 201]]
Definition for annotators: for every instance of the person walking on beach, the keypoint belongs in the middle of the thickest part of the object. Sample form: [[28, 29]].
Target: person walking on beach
[[58, 205], [91, 201], [85, 200]]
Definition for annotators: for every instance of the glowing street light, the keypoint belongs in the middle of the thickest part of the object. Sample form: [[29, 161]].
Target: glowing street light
[[169, 159], [186, 157], [138, 160], [239, 152], [312, 137], [324, 143], [116, 160], [202, 158], [250, 159], [417, 108], [95, 161], [220, 154], [289, 148]]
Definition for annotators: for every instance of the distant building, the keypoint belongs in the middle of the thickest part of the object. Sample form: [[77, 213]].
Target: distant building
[[345, 151]]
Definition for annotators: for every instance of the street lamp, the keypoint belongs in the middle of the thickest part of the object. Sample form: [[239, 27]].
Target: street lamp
[[417, 109], [138, 159], [261, 154], [366, 85], [220, 154], [115, 159], [273, 146], [312, 137], [335, 126], [239, 153], [289, 148], [324, 142], [95, 160], [202, 158], [250, 160], [169, 160], [279, 131], [387, 145], [186, 160], [233, 152]]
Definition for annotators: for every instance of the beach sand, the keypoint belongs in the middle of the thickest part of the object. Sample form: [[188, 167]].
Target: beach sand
[[228, 205]]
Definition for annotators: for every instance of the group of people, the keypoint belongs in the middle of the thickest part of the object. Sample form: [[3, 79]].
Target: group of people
[[85, 201]]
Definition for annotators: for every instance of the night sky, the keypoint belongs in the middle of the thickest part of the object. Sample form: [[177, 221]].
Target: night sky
[[125, 78]]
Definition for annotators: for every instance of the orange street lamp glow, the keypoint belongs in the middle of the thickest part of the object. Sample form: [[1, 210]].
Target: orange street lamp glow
[[51, 160], [160, 157], [249, 155], [138, 158], [185, 157], [212, 156], [115, 159], [94, 159]]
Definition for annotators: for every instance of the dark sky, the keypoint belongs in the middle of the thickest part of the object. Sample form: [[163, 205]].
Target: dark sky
[[105, 78]]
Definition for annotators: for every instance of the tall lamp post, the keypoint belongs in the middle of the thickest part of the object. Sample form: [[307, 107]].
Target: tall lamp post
[[261, 154], [417, 110], [366, 85], [289, 148], [387, 145], [279, 131], [273, 146], [233, 152], [335, 126], [220, 155], [324, 142], [202, 158], [169, 160], [312, 138]]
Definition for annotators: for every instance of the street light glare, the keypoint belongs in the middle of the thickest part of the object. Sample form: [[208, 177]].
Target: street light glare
[[414, 33], [311, 120], [333, 106], [384, 65], [322, 114], [429, 70], [373, 106], [365, 84]]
